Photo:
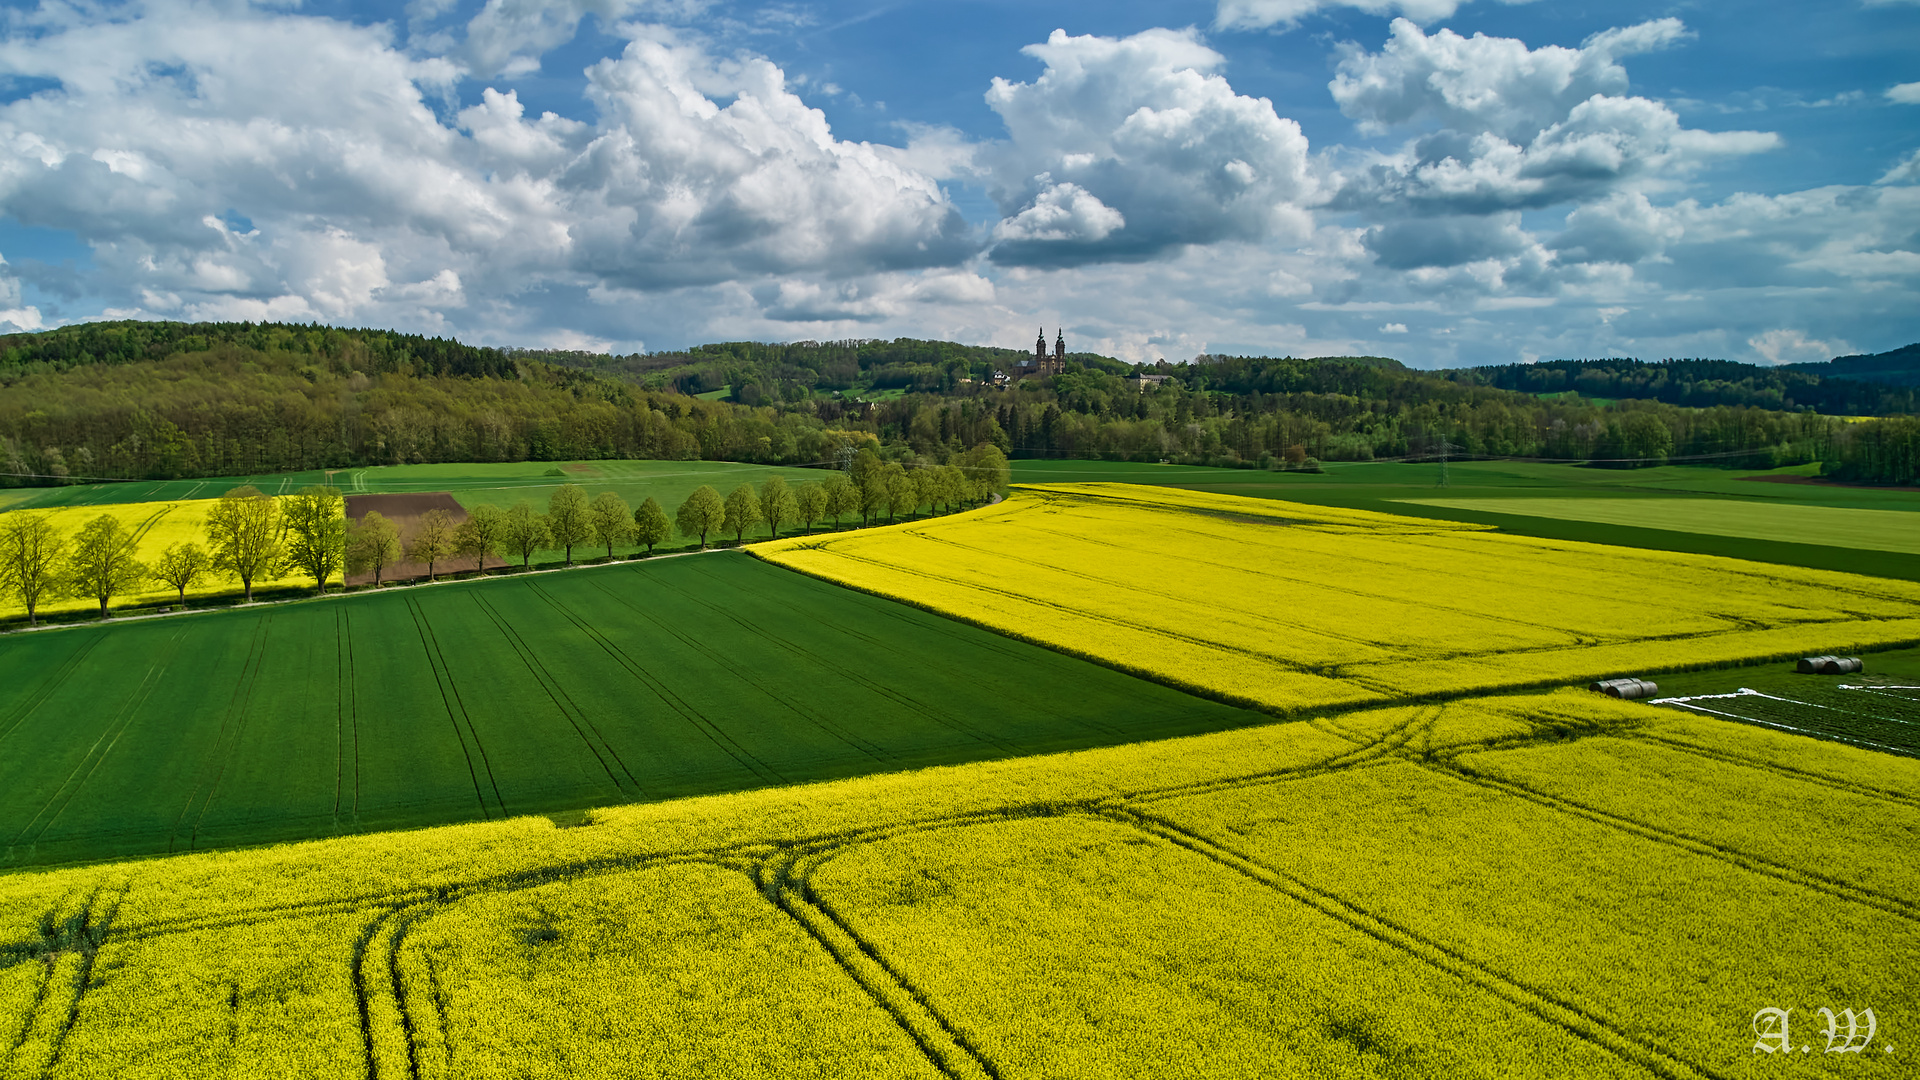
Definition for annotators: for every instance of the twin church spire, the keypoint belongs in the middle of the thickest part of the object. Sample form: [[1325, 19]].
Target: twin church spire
[[1059, 348]]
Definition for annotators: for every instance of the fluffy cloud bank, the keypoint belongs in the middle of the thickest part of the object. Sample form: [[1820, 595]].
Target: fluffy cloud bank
[[359, 195], [1122, 149], [221, 160], [1517, 128]]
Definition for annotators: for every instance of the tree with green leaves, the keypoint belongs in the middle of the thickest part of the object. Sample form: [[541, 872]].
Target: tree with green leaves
[[103, 562], [525, 532], [568, 518], [777, 505], [704, 512], [181, 566], [433, 541], [810, 503], [373, 543], [316, 532], [873, 495], [842, 497], [901, 494], [650, 524], [481, 534], [742, 512], [31, 551], [987, 467], [610, 520], [245, 531]]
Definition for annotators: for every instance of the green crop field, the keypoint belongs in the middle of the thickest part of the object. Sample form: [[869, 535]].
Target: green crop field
[[531, 694], [1830, 526], [501, 484], [1553, 885]]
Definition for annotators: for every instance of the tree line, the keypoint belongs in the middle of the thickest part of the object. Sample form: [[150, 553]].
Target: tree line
[[249, 537], [177, 400], [253, 537]]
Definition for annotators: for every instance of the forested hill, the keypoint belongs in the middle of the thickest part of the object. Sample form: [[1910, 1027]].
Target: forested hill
[[162, 400], [1899, 367], [372, 352], [136, 400], [756, 373], [1850, 386]]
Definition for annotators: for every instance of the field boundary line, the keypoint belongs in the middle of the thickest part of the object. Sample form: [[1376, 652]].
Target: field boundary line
[[1208, 693], [1792, 875], [1566, 1015]]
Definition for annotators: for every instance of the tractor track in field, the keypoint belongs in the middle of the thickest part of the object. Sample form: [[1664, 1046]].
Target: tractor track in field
[[1852, 787], [720, 660], [666, 696], [1149, 599], [227, 745], [436, 664], [48, 687], [1566, 1014], [97, 753], [820, 663], [1756, 864], [84, 934], [349, 705], [562, 701], [880, 648]]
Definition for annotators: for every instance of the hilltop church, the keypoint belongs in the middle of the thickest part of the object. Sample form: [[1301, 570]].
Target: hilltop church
[[1041, 363]]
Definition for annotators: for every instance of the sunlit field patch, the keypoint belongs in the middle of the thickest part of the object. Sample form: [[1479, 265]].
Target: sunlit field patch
[[1287, 606]]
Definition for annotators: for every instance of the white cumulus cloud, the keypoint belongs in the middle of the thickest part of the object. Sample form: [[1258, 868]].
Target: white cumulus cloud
[[1125, 148], [1795, 347], [1260, 14], [169, 127]]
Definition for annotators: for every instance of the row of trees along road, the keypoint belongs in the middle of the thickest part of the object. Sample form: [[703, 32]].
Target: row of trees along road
[[250, 537], [253, 537]]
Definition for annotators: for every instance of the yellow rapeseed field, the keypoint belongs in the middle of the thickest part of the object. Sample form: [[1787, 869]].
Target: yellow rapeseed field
[[1533, 885], [158, 526], [1287, 607]]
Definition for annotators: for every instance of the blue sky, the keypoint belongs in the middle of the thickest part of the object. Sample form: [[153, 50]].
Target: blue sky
[[1438, 181]]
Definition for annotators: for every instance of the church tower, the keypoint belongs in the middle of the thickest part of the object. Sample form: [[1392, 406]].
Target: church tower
[[1060, 350], [1040, 349]]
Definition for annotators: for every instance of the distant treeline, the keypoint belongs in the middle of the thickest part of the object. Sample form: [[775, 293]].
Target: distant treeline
[[1290, 412], [772, 373], [1877, 452], [167, 400], [1702, 384]]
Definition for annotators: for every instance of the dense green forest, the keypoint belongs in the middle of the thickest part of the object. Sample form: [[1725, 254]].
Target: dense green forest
[[1842, 391], [163, 400]]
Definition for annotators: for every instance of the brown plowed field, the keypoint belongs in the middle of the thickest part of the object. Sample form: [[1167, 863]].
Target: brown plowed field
[[406, 511]]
